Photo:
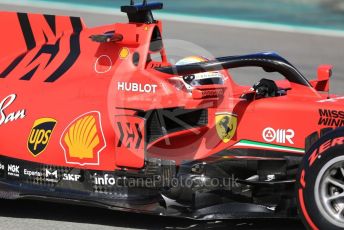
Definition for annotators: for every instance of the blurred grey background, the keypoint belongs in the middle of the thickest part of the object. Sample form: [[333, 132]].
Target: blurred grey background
[[306, 32]]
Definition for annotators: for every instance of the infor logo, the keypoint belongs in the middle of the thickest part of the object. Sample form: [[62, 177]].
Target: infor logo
[[40, 135]]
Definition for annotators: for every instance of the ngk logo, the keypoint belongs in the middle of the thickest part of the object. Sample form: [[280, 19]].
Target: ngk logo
[[13, 170], [281, 136]]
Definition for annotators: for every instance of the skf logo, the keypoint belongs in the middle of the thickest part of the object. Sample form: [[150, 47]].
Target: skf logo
[[71, 177], [40, 135], [280, 136], [226, 125], [83, 140]]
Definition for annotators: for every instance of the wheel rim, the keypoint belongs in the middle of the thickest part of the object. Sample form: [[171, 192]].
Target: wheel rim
[[329, 191]]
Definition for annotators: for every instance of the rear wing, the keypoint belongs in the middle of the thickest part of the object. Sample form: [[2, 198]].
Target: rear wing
[[270, 62]]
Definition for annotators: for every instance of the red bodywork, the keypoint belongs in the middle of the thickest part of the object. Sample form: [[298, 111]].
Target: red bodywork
[[50, 68]]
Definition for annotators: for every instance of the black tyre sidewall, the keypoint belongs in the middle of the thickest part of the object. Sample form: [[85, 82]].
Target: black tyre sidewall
[[310, 172]]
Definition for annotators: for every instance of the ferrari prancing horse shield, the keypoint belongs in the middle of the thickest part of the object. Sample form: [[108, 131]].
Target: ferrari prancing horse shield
[[226, 125]]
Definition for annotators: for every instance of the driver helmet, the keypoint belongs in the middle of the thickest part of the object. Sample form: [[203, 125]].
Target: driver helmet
[[207, 78]]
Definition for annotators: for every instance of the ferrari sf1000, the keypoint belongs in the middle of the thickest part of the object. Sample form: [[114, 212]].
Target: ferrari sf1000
[[100, 117]]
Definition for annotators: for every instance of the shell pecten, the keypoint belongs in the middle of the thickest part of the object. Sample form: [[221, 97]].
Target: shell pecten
[[82, 138]]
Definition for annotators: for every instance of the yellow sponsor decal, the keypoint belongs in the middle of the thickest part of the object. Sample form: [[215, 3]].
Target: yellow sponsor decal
[[124, 53], [226, 125], [40, 135], [83, 140]]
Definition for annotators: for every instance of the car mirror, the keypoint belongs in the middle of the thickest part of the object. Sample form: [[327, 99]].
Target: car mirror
[[324, 72], [322, 83], [249, 96]]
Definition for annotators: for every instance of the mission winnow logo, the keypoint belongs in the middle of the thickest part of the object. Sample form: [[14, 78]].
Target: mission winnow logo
[[332, 118]]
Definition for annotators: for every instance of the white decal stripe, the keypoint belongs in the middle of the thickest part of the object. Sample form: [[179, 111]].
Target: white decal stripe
[[268, 147]]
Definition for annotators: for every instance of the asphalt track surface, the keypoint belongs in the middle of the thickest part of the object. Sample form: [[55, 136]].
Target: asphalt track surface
[[304, 50]]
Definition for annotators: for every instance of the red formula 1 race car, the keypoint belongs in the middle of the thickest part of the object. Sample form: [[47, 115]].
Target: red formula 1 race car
[[100, 117]]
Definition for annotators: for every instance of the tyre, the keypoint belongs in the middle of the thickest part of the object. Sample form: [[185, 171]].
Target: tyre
[[320, 183]]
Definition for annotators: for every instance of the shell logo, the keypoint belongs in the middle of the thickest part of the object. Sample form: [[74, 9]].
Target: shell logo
[[124, 53], [83, 140]]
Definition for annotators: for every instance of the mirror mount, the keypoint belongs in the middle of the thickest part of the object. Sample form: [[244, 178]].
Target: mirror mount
[[323, 81]]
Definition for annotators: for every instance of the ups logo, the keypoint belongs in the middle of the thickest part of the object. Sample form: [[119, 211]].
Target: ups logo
[[40, 135]]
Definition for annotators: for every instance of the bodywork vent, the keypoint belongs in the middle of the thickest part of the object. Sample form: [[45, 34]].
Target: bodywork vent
[[166, 121]]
